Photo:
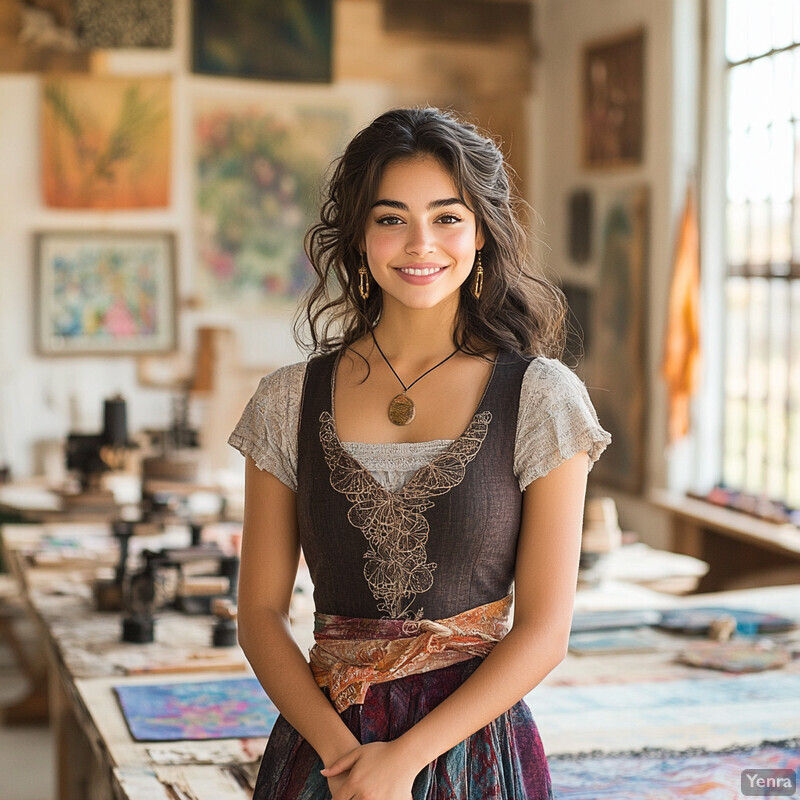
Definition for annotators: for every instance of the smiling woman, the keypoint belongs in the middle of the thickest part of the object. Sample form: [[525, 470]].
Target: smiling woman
[[417, 524]]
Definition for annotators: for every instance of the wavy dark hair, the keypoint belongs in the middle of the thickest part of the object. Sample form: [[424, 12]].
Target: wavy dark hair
[[517, 310]]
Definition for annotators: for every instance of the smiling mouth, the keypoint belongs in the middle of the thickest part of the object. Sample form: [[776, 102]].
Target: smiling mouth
[[420, 270]]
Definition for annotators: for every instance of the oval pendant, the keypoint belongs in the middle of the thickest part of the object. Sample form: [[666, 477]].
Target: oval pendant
[[401, 410]]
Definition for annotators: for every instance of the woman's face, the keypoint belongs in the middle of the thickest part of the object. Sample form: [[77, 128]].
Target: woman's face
[[420, 239]]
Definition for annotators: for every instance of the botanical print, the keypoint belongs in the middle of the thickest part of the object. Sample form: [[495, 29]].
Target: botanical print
[[259, 169], [105, 293], [106, 142]]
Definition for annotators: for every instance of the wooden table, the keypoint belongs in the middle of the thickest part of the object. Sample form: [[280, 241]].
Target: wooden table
[[98, 759], [741, 550], [95, 755]]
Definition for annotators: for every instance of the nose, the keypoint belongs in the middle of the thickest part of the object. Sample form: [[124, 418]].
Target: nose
[[421, 240]]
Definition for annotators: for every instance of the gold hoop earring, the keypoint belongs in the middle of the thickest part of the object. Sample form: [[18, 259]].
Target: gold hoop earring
[[363, 280], [477, 283]]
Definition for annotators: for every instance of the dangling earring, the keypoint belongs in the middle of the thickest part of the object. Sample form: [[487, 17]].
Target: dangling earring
[[477, 283], [363, 280]]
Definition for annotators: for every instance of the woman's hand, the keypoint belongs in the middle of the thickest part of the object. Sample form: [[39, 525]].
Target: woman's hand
[[375, 771]]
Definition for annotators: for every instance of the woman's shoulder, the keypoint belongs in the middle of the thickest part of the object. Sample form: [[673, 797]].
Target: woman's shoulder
[[552, 378], [285, 382]]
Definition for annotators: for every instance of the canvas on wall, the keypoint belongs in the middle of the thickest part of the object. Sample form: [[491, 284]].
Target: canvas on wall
[[283, 40], [615, 365], [105, 293], [106, 142], [259, 170], [613, 101], [123, 23]]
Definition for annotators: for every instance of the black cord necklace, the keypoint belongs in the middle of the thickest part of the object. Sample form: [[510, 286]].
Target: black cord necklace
[[402, 408]]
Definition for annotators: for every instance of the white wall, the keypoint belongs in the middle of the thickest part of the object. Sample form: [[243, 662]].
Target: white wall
[[670, 151], [44, 398]]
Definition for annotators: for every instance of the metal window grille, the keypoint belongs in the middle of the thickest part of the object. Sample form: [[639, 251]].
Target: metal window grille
[[761, 451]]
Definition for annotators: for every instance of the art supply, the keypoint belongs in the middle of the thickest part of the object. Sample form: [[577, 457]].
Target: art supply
[[609, 620], [625, 640], [224, 633], [698, 620], [735, 656]]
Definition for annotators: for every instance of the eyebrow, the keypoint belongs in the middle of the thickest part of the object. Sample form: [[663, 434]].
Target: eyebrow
[[447, 201]]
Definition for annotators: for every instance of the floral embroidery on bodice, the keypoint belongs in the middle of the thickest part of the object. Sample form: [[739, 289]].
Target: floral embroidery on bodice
[[394, 523]]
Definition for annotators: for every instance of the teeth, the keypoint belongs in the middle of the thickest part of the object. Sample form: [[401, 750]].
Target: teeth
[[426, 271]]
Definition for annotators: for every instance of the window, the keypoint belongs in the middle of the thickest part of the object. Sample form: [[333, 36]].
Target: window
[[761, 436]]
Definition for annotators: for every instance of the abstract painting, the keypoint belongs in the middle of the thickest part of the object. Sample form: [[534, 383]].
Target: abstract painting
[[105, 293], [668, 776], [224, 709], [106, 142], [259, 169], [615, 367], [613, 101], [283, 40]]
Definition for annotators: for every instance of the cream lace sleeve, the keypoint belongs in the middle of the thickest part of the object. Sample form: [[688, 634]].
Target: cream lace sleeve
[[556, 420], [267, 430]]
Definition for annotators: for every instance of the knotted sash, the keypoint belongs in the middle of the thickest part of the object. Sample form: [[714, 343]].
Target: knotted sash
[[351, 653]]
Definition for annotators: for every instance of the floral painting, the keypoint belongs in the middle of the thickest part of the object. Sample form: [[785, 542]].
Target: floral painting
[[106, 142], [105, 293], [259, 172]]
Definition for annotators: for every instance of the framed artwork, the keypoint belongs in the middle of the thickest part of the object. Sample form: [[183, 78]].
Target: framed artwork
[[106, 142], [615, 364], [123, 23], [260, 163], [282, 40], [613, 101], [105, 293]]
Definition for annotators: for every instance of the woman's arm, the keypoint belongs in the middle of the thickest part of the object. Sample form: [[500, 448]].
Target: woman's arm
[[545, 581], [270, 555]]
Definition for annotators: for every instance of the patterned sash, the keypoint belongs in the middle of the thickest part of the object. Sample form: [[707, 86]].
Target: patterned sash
[[351, 653]]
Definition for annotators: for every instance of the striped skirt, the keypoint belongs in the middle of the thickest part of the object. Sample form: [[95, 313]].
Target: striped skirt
[[502, 761]]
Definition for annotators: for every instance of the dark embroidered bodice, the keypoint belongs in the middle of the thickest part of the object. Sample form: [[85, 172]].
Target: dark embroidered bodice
[[443, 543]]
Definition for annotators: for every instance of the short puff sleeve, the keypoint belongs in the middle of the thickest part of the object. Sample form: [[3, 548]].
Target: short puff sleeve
[[267, 430], [556, 421]]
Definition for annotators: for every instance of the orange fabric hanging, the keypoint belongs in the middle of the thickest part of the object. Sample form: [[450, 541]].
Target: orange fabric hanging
[[682, 344]]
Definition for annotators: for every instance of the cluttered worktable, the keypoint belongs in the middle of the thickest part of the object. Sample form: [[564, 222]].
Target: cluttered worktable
[[620, 689]]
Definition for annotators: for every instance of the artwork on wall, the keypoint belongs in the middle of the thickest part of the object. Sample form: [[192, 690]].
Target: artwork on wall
[[615, 366], [580, 225], [283, 40], [579, 325], [123, 23], [613, 101], [38, 36], [106, 142], [260, 162], [105, 293]]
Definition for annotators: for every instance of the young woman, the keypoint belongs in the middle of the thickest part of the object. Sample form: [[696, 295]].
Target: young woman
[[431, 455]]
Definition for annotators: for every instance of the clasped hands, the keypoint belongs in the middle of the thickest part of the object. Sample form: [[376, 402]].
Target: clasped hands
[[374, 771]]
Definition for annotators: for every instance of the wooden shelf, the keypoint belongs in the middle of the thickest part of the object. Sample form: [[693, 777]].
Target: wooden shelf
[[740, 549]]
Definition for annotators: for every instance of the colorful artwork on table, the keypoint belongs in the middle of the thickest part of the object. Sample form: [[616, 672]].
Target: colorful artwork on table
[[106, 142], [669, 776], [223, 709], [123, 23], [105, 293], [282, 40], [259, 174]]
